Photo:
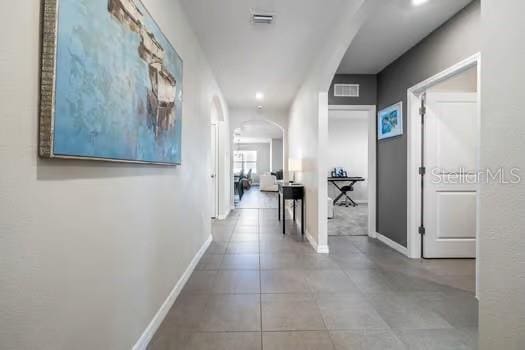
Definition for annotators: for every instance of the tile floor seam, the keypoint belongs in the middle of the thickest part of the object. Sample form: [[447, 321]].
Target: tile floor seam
[[260, 280], [404, 334]]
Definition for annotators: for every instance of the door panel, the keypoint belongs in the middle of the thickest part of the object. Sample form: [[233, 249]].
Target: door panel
[[450, 225], [451, 157]]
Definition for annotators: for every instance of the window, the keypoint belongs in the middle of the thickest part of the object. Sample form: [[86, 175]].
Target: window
[[244, 160]]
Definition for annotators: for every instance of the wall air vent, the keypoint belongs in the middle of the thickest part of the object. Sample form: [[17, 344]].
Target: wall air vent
[[346, 90], [260, 18]]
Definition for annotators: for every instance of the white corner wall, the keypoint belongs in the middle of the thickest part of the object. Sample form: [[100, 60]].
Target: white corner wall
[[308, 121], [89, 251], [277, 155], [502, 219]]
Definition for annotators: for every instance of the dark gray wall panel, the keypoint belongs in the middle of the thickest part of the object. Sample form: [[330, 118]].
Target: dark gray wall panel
[[367, 89], [456, 40]]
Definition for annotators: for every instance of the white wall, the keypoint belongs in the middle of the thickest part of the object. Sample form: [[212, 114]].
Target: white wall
[[348, 148], [466, 81], [90, 250], [502, 222], [263, 157], [277, 155], [308, 122], [241, 115], [220, 117]]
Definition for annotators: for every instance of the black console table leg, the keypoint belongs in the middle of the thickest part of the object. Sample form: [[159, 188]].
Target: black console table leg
[[284, 217], [294, 211], [279, 206], [302, 217]]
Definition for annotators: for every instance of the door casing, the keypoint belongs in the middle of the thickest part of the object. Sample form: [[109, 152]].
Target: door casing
[[214, 169], [414, 152], [372, 161]]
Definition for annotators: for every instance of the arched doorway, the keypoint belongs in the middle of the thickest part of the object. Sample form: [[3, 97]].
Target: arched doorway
[[218, 165], [258, 163]]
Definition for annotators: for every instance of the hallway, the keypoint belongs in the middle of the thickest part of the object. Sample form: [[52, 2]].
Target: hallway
[[254, 289], [254, 198]]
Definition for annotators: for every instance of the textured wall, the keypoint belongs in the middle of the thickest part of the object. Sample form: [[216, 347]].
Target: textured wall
[[308, 124], [502, 220], [277, 154], [90, 250], [456, 40]]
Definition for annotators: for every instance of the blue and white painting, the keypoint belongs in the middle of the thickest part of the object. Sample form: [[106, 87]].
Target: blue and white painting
[[118, 90], [390, 122]]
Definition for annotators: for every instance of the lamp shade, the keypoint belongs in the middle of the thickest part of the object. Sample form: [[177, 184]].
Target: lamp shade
[[295, 165]]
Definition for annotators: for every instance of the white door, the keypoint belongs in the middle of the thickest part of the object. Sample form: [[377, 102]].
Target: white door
[[213, 171], [451, 160]]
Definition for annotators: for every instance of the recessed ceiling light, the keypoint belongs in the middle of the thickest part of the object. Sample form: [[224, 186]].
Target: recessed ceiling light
[[259, 96], [260, 107], [418, 2]]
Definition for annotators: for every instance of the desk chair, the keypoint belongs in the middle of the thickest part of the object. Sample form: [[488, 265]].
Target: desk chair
[[348, 201]]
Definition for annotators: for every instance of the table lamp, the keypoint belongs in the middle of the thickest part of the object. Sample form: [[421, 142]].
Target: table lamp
[[295, 165]]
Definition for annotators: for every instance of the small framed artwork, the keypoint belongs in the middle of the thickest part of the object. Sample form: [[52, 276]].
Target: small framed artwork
[[390, 122]]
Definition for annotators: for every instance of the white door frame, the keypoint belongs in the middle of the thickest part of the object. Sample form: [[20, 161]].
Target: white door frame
[[372, 154], [215, 172], [414, 151]]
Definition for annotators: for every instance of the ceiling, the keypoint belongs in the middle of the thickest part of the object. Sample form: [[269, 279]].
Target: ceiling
[[391, 31], [258, 130], [273, 59]]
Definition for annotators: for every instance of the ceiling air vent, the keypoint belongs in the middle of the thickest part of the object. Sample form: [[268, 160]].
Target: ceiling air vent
[[259, 18], [346, 90]]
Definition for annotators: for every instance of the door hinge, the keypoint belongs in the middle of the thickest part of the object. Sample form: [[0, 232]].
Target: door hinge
[[422, 171], [422, 230], [422, 111]]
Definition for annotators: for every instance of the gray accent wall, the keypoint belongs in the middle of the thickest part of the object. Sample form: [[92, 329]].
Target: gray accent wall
[[456, 40], [367, 89], [277, 155]]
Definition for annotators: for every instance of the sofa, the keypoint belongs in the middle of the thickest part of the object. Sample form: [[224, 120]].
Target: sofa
[[268, 183]]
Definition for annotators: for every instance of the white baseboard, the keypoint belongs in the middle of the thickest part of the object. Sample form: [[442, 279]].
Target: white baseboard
[[155, 323], [321, 249], [392, 244], [225, 215]]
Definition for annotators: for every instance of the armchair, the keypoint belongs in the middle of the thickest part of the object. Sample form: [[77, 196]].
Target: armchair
[[268, 183]]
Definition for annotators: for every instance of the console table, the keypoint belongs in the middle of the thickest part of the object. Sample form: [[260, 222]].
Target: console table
[[291, 192]]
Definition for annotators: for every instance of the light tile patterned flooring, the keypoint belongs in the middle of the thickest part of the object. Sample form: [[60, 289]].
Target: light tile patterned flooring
[[255, 289], [254, 198]]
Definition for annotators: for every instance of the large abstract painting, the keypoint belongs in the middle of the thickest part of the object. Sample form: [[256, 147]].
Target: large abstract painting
[[111, 84]]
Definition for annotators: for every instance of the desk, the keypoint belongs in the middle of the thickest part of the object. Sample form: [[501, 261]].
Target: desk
[[351, 180], [291, 192]]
